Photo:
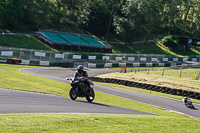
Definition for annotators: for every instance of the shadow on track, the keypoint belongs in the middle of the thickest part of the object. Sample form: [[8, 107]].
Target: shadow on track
[[100, 104], [195, 109]]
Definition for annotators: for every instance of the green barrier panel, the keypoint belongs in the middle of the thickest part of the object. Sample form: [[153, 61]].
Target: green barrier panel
[[34, 63], [53, 64], [99, 65], [154, 65], [178, 63], [66, 64], [115, 64], [84, 57], [69, 56], [142, 64], [129, 64], [167, 64], [99, 57]]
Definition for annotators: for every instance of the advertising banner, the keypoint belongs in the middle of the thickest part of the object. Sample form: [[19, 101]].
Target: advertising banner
[[76, 56], [91, 57], [40, 54], [154, 59], [59, 55], [143, 59], [131, 58], [185, 59], [194, 59], [175, 59], [6, 53], [118, 58], [165, 59], [107, 57]]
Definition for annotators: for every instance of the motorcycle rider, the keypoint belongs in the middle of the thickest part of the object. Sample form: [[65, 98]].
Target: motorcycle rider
[[186, 99], [81, 73]]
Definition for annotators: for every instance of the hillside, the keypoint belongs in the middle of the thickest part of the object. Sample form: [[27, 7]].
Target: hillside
[[152, 48], [31, 42], [28, 42]]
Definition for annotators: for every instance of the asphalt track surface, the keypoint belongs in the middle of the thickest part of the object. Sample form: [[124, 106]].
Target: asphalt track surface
[[61, 74], [15, 101]]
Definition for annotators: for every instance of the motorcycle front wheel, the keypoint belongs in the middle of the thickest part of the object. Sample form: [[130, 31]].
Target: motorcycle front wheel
[[73, 93], [91, 96]]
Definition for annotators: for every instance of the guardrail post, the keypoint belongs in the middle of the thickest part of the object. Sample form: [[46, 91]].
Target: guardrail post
[[31, 53], [198, 76], [163, 72], [50, 56], [135, 69], [181, 72]]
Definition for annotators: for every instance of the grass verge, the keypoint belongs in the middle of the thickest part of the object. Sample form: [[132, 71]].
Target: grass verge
[[95, 123]]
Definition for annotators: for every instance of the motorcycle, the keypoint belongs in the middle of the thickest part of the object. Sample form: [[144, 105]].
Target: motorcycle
[[188, 103], [79, 89]]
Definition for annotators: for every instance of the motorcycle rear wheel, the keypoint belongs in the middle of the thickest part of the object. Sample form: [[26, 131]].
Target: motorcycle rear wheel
[[91, 96], [73, 94]]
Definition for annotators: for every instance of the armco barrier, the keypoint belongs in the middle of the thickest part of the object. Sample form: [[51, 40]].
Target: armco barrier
[[151, 87]]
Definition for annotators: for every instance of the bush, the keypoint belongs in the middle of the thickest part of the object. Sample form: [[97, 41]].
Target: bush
[[169, 42]]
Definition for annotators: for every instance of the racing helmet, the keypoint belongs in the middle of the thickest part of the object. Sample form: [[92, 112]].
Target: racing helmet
[[80, 69]]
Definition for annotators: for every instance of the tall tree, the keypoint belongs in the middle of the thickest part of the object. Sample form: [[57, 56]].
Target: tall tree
[[116, 6], [12, 12]]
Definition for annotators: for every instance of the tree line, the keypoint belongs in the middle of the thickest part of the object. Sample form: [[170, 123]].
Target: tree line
[[125, 19]]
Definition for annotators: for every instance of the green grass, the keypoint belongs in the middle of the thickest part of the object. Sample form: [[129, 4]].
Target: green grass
[[150, 48], [12, 78], [28, 42], [193, 50], [153, 48], [107, 123]]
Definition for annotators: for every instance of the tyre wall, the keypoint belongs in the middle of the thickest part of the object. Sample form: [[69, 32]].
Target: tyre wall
[[146, 86]]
